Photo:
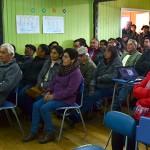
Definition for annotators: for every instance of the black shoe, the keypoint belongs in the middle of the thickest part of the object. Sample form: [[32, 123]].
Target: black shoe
[[47, 138], [29, 137]]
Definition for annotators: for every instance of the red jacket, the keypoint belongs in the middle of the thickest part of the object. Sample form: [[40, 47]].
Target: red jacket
[[143, 95]]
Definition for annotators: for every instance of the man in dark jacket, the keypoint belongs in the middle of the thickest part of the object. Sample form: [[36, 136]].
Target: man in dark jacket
[[10, 73], [143, 64], [32, 68]]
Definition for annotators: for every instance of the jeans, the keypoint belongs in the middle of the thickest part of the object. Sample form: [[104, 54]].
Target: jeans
[[42, 111], [98, 96], [24, 101], [121, 97]]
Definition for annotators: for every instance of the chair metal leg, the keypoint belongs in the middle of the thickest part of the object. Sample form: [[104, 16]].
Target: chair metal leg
[[8, 117], [113, 97], [126, 142], [146, 147], [110, 134], [21, 129], [83, 123], [136, 145], [62, 125]]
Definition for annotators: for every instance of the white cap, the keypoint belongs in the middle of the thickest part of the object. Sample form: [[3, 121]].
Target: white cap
[[9, 48], [83, 51]]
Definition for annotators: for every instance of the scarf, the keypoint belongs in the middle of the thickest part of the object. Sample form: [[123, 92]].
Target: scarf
[[65, 70]]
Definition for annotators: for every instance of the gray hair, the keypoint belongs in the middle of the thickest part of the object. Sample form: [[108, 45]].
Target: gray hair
[[133, 42], [9, 48]]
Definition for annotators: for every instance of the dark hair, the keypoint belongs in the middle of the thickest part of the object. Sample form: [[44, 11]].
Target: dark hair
[[51, 44], [104, 41], [73, 54], [147, 38], [31, 47], [113, 50], [44, 48], [145, 26], [82, 42], [59, 49], [110, 39], [133, 25]]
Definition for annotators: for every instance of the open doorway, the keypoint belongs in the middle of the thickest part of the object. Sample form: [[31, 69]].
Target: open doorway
[[138, 17]]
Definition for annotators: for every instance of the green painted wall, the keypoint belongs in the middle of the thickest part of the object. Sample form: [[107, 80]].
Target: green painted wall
[[109, 15], [78, 21]]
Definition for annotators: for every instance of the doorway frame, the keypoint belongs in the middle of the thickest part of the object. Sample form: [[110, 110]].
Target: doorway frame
[[132, 9]]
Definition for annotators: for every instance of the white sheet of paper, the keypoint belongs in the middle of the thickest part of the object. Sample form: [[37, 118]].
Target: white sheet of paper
[[27, 24], [53, 24]]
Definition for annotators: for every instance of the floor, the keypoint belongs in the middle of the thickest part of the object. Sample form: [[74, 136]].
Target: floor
[[10, 137]]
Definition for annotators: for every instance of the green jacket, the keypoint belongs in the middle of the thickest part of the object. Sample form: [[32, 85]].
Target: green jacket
[[87, 71], [132, 59]]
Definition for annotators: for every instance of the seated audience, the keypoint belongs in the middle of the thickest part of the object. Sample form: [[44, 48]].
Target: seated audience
[[54, 43], [10, 73], [129, 58], [45, 77], [102, 85], [143, 64], [94, 50], [87, 68], [79, 43], [29, 52], [103, 44], [114, 42], [62, 92], [32, 68], [50, 68]]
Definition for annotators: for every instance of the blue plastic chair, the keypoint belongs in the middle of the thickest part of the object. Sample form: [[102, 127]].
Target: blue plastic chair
[[117, 122], [143, 131], [8, 105], [75, 107]]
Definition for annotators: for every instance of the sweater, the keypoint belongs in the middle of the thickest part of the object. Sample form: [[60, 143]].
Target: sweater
[[65, 88]]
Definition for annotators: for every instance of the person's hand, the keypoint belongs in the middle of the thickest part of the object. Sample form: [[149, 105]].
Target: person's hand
[[48, 96]]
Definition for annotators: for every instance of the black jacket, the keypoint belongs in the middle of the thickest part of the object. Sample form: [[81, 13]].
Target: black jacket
[[143, 64], [31, 70]]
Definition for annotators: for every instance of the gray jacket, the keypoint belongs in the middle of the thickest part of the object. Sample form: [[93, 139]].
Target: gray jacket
[[10, 76], [105, 73], [52, 72]]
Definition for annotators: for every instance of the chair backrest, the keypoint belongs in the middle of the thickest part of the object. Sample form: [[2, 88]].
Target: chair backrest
[[120, 123], [143, 130], [81, 91]]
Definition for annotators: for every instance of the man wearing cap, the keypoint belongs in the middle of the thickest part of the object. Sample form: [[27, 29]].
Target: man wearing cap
[[87, 67], [10, 73]]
